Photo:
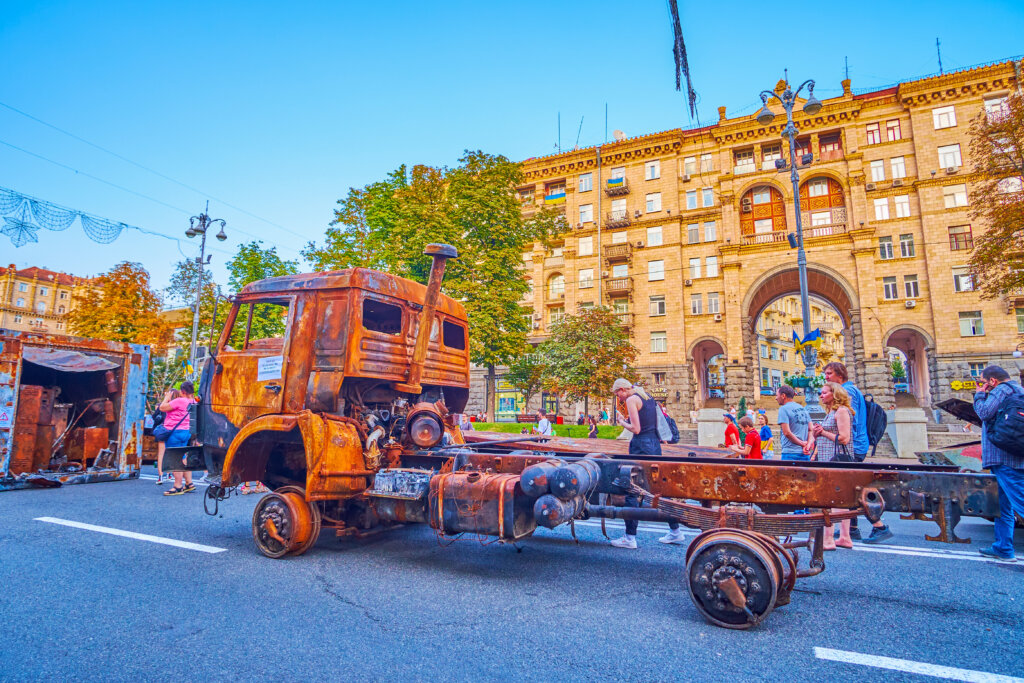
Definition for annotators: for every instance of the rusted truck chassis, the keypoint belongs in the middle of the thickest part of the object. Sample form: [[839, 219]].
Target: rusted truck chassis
[[346, 411]]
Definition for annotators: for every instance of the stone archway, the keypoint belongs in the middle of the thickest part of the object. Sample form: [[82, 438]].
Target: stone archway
[[916, 345], [702, 351]]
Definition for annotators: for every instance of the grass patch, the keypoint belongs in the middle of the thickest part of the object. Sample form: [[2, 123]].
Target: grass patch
[[574, 431]]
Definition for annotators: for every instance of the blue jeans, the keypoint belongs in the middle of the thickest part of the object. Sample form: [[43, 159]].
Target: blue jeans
[[645, 444], [1011, 499], [796, 456]]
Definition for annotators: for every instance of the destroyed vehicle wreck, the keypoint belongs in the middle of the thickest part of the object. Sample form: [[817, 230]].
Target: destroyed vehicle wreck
[[347, 413], [71, 409]]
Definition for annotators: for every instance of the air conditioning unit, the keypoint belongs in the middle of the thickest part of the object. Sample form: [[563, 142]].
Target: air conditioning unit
[[898, 182], [745, 207], [604, 273], [686, 177], [951, 170], [579, 225], [718, 317], [869, 186], [538, 316], [636, 214], [910, 303], [536, 325], [688, 283], [639, 244]]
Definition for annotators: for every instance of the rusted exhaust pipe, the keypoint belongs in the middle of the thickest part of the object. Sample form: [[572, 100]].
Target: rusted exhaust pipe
[[440, 253]]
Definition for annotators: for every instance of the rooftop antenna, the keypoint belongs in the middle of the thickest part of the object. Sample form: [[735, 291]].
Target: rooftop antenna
[[938, 51], [846, 67], [606, 122], [578, 134], [559, 132]]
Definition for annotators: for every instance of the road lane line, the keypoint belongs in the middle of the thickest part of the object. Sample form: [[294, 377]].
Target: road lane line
[[153, 478], [948, 672], [916, 552], [132, 534]]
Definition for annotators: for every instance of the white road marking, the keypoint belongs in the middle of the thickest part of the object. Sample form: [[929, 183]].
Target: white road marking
[[927, 552], [132, 534], [948, 672], [151, 477]]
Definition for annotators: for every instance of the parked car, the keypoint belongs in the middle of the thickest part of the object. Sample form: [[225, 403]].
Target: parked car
[[767, 391]]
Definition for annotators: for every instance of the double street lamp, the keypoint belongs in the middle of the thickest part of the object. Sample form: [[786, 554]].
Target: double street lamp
[[811, 107], [198, 225]]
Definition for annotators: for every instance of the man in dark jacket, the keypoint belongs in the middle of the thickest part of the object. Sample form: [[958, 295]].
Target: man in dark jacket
[[1008, 467]]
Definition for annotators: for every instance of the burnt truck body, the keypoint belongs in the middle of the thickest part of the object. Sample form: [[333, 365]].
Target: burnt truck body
[[345, 409], [71, 409]]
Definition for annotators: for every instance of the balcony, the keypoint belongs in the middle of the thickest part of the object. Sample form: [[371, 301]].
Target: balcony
[[618, 252], [819, 231], [740, 169], [764, 238], [771, 333], [624, 319], [617, 219], [616, 186], [619, 285], [830, 155], [556, 294]]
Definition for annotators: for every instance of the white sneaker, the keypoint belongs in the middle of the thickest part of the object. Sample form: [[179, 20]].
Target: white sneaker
[[673, 536], [625, 541], [159, 481]]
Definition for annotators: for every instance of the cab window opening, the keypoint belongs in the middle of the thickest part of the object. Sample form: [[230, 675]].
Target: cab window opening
[[454, 336], [382, 317]]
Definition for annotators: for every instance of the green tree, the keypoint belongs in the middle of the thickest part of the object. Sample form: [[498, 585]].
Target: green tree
[[253, 263], [997, 198], [475, 208], [526, 373], [182, 290], [899, 373], [586, 353], [121, 307]]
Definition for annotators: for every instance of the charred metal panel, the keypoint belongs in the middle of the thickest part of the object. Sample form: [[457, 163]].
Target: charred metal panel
[[481, 503]]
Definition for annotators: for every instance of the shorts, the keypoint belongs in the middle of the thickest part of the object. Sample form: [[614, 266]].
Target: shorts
[[178, 438], [795, 456]]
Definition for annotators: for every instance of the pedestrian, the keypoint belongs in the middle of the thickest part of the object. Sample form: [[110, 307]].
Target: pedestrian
[[672, 427], [836, 372], [604, 415], [464, 423], [991, 399], [642, 420], [175, 433], [832, 441], [732, 432], [591, 427], [580, 420], [734, 409], [543, 423], [793, 425], [751, 448], [155, 421], [765, 433]]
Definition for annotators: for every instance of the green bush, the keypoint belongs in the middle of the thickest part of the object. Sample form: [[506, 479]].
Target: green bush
[[574, 431]]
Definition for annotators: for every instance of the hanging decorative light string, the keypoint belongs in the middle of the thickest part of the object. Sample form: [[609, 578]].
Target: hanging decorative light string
[[24, 216]]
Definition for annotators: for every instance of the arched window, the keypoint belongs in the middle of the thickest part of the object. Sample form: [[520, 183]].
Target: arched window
[[762, 211], [822, 202], [556, 286]]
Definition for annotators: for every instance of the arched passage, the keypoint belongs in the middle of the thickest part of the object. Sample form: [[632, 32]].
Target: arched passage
[[914, 344], [708, 356]]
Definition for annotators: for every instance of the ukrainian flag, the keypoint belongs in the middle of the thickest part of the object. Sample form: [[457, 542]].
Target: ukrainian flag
[[813, 339], [556, 198], [616, 182]]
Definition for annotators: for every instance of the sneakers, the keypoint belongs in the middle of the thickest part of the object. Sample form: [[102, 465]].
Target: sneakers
[[159, 480], [855, 532], [990, 552], [879, 534], [625, 541], [673, 536]]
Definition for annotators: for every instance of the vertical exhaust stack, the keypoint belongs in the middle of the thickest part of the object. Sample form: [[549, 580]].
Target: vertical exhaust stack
[[440, 253]]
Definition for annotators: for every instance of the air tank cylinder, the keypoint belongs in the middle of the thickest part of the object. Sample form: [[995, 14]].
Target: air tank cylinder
[[575, 479]]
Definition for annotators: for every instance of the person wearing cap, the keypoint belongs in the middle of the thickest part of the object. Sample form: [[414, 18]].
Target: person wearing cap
[[642, 421], [732, 432]]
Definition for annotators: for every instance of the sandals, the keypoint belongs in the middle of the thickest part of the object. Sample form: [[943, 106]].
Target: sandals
[[245, 489], [174, 491], [188, 488]]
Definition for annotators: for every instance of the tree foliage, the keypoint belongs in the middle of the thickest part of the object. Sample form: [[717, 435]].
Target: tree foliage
[[121, 307], [586, 353], [182, 290], [253, 263], [526, 373], [997, 199], [897, 370]]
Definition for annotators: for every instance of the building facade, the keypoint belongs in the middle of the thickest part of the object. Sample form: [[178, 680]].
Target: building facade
[[683, 233], [38, 300]]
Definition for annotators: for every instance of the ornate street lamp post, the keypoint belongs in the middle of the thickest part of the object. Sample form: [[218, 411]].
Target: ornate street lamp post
[[811, 107], [198, 225]]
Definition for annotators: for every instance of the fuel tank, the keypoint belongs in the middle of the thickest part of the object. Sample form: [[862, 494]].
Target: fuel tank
[[481, 503]]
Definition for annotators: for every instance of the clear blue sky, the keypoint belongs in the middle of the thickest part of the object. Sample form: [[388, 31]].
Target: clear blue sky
[[278, 108]]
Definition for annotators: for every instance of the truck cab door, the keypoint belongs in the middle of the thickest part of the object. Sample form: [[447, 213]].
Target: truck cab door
[[250, 369]]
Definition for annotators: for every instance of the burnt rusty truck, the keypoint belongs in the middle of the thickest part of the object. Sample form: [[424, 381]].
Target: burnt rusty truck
[[71, 409], [344, 407]]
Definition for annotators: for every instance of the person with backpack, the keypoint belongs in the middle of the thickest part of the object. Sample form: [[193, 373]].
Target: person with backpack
[[672, 428], [999, 403], [175, 433]]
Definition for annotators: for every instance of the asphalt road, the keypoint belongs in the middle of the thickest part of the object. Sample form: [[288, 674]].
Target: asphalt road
[[76, 603]]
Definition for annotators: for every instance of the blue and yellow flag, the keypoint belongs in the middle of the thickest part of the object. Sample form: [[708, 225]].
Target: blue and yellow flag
[[557, 198], [813, 339], [616, 182]]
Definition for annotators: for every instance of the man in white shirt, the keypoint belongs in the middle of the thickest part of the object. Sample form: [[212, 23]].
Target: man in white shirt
[[543, 424]]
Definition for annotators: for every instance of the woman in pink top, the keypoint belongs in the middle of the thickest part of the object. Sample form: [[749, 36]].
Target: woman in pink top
[[174, 432]]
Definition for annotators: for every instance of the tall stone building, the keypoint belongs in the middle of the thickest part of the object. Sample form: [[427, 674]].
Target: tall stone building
[[37, 300], [683, 233]]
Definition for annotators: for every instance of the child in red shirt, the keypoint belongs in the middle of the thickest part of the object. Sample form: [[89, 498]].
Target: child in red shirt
[[751, 448]]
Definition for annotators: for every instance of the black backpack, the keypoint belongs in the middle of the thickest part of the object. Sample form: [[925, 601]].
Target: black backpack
[[876, 422], [674, 429], [1006, 428]]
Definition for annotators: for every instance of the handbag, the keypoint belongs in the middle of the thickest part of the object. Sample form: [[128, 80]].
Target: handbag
[[162, 433], [843, 453]]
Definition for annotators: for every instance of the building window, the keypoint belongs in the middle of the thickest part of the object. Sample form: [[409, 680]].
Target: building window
[[556, 286], [954, 196], [618, 209], [892, 130], [874, 137], [586, 278], [61, 310], [1020, 320], [962, 279], [696, 304], [960, 237], [898, 167], [556, 314], [762, 226], [652, 170], [773, 353], [40, 307], [821, 218], [706, 165], [620, 306], [996, 108], [711, 266], [693, 233], [910, 287], [17, 317], [22, 287], [659, 378], [762, 206], [971, 324], [690, 166], [43, 291], [882, 209], [655, 270], [620, 237], [60, 326], [710, 232], [744, 161], [620, 270], [1011, 184], [902, 203], [526, 196], [906, 246], [63, 295], [691, 199], [889, 288], [657, 305], [709, 196], [20, 303], [654, 202], [585, 246], [618, 172], [817, 188], [944, 117], [695, 268], [586, 213], [556, 251], [784, 355], [877, 171], [975, 369], [585, 183], [555, 193], [659, 342], [949, 156], [713, 302], [764, 350], [654, 236]]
